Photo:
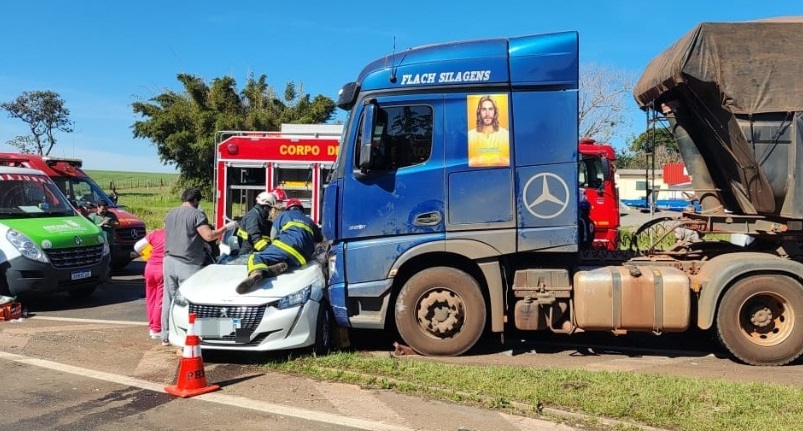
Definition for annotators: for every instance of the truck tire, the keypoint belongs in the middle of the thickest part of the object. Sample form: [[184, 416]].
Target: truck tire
[[760, 320], [441, 312]]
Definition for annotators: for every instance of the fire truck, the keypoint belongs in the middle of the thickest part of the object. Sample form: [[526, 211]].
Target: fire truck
[[84, 193], [298, 159]]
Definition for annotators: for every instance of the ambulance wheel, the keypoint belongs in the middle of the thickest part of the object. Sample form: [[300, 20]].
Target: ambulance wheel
[[440, 312], [82, 292], [323, 331], [759, 320], [4, 289]]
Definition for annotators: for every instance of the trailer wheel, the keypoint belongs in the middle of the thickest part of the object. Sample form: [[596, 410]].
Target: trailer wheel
[[760, 320], [440, 311]]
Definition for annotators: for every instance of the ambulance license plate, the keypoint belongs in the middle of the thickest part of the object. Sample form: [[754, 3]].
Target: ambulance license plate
[[81, 274]]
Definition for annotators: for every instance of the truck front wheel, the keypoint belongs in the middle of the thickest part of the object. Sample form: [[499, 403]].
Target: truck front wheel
[[760, 320], [440, 311]]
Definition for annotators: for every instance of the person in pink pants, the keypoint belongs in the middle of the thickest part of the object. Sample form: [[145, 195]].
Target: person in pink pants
[[151, 249]]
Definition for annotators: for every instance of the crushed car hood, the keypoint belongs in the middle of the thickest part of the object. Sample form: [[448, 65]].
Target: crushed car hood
[[217, 283]]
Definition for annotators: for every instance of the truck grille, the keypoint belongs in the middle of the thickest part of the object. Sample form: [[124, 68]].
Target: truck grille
[[249, 316], [75, 257], [129, 234]]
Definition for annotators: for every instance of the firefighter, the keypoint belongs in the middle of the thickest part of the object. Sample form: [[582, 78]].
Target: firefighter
[[294, 237], [255, 226]]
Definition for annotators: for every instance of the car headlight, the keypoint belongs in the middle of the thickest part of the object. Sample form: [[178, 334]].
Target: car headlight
[[295, 299], [26, 246], [332, 264], [180, 300], [106, 249]]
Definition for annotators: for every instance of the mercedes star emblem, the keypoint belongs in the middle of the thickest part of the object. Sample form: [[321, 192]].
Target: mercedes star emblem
[[548, 197]]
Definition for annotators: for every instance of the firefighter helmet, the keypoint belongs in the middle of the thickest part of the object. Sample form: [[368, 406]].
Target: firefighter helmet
[[279, 193], [266, 198], [292, 202]]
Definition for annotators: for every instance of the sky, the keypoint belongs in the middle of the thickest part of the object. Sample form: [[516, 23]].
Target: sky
[[101, 56]]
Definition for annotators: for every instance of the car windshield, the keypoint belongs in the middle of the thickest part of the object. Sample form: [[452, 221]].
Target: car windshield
[[31, 196]]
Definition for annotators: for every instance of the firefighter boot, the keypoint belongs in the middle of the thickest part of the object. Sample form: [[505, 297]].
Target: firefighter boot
[[247, 285], [258, 275], [276, 269]]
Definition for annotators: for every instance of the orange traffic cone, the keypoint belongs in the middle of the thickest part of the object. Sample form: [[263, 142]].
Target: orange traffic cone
[[191, 380]]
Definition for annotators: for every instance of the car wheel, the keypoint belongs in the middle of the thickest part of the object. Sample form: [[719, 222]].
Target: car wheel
[[323, 331]]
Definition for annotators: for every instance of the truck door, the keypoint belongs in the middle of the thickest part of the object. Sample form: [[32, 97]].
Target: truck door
[[402, 191]]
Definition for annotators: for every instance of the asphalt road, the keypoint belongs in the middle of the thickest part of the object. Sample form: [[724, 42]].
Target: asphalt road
[[89, 364]]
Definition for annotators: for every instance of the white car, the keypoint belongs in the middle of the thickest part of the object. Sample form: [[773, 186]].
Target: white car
[[285, 312]]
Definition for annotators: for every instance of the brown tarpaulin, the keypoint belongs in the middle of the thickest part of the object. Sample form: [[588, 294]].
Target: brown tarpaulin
[[725, 80], [756, 65]]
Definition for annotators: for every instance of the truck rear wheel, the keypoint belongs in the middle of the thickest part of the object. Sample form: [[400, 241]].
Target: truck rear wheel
[[760, 320], [440, 311]]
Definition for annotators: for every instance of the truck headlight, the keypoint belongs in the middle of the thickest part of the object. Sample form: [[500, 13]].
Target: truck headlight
[[26, 246], [295, 299]]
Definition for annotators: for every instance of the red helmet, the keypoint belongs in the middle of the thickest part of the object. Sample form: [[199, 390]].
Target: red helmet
[[279, 193], [292, 202]]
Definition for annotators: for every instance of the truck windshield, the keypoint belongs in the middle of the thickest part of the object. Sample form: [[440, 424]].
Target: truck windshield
[[83, 191], [590, 171], [32, 196]]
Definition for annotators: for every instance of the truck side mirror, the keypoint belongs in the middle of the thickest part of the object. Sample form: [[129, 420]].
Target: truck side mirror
[[368, 121]]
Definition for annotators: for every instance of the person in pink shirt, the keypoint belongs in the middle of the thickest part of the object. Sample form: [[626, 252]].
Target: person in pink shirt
[[151, 249]]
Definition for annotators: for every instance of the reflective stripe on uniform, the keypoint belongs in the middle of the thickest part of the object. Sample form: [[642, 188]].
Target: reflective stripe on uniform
[[254, 266], [297, 224], [290, 250], [241, 233], [262, 243]]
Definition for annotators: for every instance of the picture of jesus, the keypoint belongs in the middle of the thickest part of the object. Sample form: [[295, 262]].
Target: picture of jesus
[[488, 138]]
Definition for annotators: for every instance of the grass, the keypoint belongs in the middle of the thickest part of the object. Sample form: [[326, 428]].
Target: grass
[[677, 403]]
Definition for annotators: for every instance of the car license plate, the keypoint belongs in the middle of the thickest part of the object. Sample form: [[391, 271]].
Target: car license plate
[[215, 328], [81, 274]]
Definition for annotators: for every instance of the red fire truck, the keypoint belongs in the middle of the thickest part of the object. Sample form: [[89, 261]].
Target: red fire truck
[[84, 192], [298, 159], [596, 179]]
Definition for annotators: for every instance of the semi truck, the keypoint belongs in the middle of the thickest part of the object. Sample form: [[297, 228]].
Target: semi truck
[[452, 207], [85, 193]]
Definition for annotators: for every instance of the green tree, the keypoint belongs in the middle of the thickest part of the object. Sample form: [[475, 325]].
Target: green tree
[[660, 142], [44, 113], [182, 125]]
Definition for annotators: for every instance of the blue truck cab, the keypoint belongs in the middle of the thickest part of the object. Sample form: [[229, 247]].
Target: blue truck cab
[[457, 166]]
